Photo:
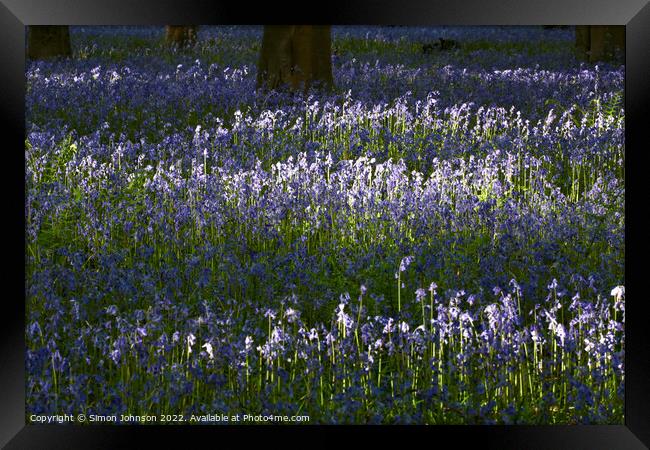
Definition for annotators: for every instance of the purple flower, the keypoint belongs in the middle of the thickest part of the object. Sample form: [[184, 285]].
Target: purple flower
[[208, 349], [618, 292], [291, 315], [405, 262]]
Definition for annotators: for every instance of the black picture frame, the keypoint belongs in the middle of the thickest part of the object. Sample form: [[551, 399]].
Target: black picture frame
[[16, 14]]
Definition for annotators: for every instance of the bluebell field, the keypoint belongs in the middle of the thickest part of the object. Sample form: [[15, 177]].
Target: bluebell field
[[438, 240]]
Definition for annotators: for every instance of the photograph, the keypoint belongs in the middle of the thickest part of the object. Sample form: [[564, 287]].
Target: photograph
[[325, 224], [419, 220]]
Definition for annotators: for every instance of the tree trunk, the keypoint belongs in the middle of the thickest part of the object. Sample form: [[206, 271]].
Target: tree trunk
[[295, 56], [180, 36], [583, 41], [48, 41], [600, 42]]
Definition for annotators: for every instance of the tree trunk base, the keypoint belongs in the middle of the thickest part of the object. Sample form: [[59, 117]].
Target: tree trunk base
[[296, 57], [181, 36], [48, 41], [600, 42]]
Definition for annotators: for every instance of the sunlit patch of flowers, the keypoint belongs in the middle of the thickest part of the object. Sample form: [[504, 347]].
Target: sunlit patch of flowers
[[439, 240]]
